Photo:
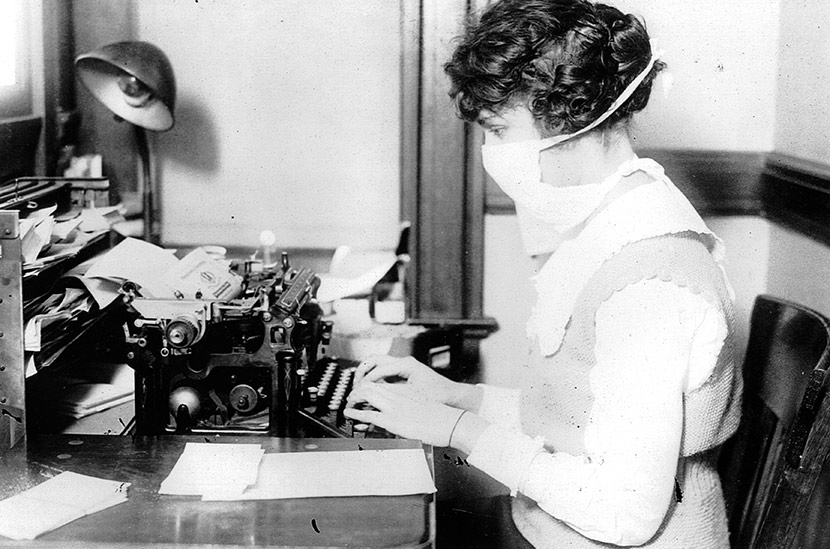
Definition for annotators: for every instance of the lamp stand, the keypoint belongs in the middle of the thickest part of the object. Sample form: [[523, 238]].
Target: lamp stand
[[148, 213]]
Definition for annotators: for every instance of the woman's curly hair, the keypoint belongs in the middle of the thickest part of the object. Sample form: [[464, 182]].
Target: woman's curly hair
[[565, 60]]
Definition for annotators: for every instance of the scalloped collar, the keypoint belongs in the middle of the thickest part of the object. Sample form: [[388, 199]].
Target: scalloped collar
[[566, 272]]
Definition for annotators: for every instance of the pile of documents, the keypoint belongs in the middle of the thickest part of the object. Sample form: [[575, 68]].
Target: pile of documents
[[47, 238], [58, 501], [213, 469], [79, 392], [52, 321], [56, 318]]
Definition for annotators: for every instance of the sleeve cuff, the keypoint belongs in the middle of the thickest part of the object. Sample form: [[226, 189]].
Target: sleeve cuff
[[505, 455], [500, 405]]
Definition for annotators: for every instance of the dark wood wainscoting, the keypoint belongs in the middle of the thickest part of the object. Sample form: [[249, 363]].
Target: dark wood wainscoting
[[790, 191]]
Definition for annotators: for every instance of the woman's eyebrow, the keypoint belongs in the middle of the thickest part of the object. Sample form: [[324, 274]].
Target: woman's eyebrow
[[486, 120]]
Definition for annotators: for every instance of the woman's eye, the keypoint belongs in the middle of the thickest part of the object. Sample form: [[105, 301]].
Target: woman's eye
[[498, 132]]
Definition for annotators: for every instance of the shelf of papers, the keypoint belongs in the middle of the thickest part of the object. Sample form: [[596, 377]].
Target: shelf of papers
[[48, 226]]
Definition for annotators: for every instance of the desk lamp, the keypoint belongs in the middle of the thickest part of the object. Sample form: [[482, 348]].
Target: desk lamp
[[135, 81]]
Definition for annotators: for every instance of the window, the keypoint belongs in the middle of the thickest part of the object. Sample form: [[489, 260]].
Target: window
[[15, 74]]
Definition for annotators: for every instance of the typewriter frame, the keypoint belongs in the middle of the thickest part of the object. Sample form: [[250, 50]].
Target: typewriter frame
[[175, 341]]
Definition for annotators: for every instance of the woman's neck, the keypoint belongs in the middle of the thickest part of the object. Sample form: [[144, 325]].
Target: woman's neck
[[589, 159]]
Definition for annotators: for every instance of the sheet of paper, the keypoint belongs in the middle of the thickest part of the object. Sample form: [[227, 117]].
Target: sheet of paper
[[333, 288], [198, 273], [139, 262], [334, 474], [103, 291], [35, 325], [36, 239], [95, 387], [31, 367], [97, 219], [64, 227], [56, 502], [353, 273], [225, 469]]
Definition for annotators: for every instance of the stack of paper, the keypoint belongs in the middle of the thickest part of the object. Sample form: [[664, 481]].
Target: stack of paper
[[54, 320], [56, 502], [243, 472], [85, 389], [215, 471], [47, 237], [394, 472]]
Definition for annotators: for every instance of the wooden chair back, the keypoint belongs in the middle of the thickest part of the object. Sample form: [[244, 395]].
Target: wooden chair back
[[770, 467]]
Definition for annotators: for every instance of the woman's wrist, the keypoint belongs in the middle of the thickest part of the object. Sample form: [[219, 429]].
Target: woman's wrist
[[466, 397], [467, 431]]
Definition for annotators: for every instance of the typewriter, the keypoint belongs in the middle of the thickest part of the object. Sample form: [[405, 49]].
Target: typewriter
[[253, 364]]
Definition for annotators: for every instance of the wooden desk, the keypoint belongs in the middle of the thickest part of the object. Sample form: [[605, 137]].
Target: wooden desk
[[149, 519]]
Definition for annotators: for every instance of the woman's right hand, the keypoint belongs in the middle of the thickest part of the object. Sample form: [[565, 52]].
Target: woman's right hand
[[417, 376]]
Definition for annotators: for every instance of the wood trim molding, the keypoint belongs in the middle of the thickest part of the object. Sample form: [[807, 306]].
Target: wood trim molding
[[410, 115], [441, 195], [61, 117], [790, 191], [796, 194], [716, 182]]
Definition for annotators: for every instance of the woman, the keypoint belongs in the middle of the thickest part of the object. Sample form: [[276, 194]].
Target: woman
[[630, 385]]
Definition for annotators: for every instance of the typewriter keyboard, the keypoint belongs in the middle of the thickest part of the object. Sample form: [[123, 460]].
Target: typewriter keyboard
[[325, 390]]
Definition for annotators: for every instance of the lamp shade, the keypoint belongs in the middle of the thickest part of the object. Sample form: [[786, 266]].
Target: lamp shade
[[134, 80]]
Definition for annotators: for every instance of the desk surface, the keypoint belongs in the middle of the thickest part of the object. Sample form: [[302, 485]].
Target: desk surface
[[150, 519]]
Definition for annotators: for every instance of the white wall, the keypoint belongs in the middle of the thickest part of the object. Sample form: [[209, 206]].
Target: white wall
[[748, 240], [722, 59], [803, 108], [505, 266], [35, 8], [287, 119], [799, 268]]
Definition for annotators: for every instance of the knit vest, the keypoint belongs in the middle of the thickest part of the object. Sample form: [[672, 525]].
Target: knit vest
[[557, 401]]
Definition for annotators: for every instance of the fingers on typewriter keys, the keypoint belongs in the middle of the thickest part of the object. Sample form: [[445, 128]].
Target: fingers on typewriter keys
[[360, 430], [361, 370]]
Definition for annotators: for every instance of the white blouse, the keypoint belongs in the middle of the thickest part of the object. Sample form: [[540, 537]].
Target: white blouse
[[654, 340], [620, 491]]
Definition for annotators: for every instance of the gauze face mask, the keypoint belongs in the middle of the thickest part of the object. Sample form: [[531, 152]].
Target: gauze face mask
[[545, 211]]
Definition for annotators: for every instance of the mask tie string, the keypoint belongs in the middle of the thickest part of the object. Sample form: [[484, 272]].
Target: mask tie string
[[624, 96]]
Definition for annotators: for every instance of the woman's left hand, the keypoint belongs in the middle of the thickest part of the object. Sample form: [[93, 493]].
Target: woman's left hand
[[405, 412]]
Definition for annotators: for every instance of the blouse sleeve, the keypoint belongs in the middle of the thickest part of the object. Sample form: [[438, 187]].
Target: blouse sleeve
[[500, 405], [653, 340]]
